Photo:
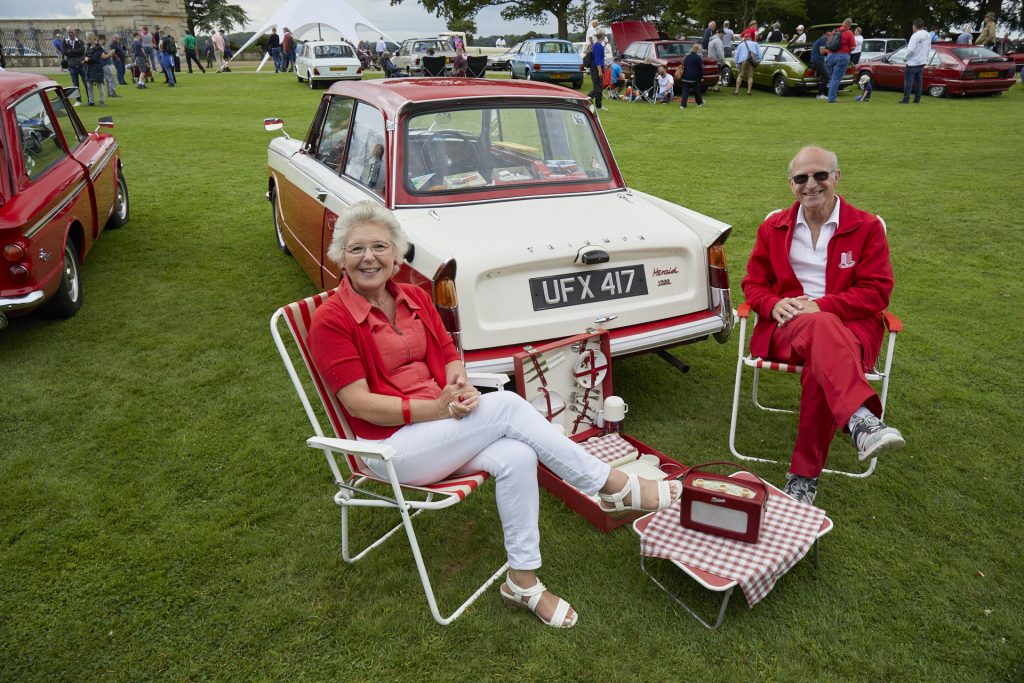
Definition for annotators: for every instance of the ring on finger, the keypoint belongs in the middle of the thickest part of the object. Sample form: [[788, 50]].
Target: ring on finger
[[451, 409]]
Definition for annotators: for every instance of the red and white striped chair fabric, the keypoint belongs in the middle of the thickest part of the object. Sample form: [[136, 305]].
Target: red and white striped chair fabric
[[744, 360], [352, 492]]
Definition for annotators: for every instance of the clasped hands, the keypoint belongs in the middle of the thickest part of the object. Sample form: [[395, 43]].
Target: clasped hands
[[458, 398], [790, 307]]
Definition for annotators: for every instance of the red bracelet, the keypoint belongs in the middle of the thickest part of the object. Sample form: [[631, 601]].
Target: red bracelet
[[406, 412]]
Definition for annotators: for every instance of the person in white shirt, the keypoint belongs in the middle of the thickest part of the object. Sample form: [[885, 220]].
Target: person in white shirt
[[665, 85], [918, 47], [858, 40], [800, 36], [500, 42], [592, 32]]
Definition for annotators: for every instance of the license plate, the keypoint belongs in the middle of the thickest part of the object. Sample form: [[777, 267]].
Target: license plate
[[989, 74], [339, 68], [559, 76], [572, 289]]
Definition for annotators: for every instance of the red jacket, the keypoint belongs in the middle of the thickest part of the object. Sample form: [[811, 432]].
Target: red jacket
[[858, 276], [344, 351]]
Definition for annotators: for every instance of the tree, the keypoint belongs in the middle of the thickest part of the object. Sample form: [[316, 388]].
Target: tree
[[531, 10], [208, 15], [629, 10]]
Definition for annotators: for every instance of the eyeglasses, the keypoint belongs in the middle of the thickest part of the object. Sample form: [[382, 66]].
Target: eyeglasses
[[820, 176], [360, 249]]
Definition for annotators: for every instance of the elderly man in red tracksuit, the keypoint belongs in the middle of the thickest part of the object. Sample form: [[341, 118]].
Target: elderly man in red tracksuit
[[819, 278]]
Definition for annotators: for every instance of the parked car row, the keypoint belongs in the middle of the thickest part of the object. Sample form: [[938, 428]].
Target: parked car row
[[951, 70], [321, 61], [60, 186]]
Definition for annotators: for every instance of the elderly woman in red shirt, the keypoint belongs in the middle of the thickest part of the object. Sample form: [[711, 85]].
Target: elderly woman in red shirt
[[382, 348]]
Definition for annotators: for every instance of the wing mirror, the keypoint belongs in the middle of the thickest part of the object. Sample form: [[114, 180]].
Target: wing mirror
[[104, 122], [271, 125], [72, 92]]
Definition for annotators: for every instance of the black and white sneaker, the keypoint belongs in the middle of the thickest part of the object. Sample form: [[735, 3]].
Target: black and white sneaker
[[801, 489], [871, 437]]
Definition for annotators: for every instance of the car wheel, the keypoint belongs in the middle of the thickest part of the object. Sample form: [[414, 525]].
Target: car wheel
[[511, 72], [726, 77], [779, 85], [529, 74], [68, 299], [297, 76], [937, 90], [576, 85], [120, 216], [276, 210], [312, 84]]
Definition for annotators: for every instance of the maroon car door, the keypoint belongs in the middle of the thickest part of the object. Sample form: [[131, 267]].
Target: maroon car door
[[51, 190], [889, 72]]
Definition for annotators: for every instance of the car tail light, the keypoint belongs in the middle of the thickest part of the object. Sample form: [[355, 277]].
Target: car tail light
[[13, 252], [446, 300], [808, 73], [417, 62], [18, 273], [718, 274], [968, 75], [536, 67], [359, 70]]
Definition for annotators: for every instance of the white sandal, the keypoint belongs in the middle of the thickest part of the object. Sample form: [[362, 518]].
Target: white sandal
[[666, 497], [532, 597]]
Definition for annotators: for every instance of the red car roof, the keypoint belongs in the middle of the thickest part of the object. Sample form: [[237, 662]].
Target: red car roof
[[14, 85], [394, 93]]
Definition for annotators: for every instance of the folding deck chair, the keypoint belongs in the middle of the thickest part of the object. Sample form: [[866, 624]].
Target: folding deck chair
[[645, 83], [476, 66], [352, 489], [892, 324], [433, 66]]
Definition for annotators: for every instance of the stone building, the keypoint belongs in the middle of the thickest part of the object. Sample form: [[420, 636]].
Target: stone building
[[30, 41]]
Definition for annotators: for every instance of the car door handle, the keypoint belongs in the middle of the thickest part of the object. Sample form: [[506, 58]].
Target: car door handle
[[320, 194], [91, 164]]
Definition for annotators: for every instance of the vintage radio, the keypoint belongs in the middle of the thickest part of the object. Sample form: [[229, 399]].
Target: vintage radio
[[722, 505]]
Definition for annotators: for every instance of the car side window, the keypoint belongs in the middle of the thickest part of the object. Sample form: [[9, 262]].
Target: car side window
[[365, 161], [770, 54], [41, 147], [330, 145], [898, 57], [69, 125]]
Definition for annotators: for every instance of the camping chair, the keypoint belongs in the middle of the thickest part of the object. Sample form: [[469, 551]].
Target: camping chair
[[390, 70], [892, 323], [476, 66], [352, 488], [645, 83], [606, 84], [433, 66]]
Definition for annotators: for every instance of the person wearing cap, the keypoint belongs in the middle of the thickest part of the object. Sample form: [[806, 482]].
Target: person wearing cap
[[801, 37], [750, 32], [987, 37]]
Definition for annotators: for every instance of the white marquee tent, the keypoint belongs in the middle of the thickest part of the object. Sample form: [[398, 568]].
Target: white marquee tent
[[303, 15]]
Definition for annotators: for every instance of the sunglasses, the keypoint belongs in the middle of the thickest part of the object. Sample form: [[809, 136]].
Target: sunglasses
[[820, 176]]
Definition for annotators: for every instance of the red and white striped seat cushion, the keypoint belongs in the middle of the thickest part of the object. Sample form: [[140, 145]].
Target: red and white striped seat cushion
[[300, 315], [761, 363]]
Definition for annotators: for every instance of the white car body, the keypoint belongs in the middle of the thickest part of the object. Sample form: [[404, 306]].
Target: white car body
[[321, 61], [535, 261]]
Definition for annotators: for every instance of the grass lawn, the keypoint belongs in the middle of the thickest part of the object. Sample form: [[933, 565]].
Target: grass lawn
[[162, 518]]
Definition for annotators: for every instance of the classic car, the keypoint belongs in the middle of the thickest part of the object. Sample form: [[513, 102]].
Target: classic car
[[321, 62], [60, 186], [782, 72], [501, 61], [951, 70], [548, 59], [643, 44], [409, 57], [521, 226], [876, 48]]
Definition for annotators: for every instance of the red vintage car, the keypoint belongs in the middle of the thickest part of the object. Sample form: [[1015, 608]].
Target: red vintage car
[[951, 70], [642, 43], [60, 185]]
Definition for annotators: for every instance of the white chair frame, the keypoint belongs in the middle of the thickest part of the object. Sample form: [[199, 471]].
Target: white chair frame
[[351, 491], [893, 326]]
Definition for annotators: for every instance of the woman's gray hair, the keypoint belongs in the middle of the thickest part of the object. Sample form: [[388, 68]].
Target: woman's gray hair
[[366, 211]]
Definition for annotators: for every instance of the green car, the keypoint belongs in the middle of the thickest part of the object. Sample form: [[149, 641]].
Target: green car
[[782, 71]]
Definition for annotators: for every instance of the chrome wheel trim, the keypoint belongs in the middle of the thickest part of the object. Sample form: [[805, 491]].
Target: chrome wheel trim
[[69, 273]]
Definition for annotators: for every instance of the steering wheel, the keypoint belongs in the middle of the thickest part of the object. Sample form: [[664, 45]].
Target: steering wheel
[[440, 161]]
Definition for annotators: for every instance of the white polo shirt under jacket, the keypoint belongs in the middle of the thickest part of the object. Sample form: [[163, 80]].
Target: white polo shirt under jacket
[[809, 260]]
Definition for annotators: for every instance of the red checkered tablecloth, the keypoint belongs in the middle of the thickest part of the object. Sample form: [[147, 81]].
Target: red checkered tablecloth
[[787, 533], [609, 448]]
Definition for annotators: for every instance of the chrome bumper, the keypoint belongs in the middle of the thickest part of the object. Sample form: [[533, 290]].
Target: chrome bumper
[[17, 303]]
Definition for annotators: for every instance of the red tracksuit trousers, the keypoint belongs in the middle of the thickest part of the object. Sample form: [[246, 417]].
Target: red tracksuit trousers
[[832, 383]]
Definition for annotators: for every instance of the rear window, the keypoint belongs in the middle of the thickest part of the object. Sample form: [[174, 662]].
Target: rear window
[[555, 48], [673, 50], [975, 52], [333, 51], [487, 147]]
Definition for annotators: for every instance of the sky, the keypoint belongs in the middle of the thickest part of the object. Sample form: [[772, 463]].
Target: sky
[[407, 20]]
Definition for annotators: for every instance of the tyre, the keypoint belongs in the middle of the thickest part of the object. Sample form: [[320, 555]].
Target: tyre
[[68, 299], [120, 216], [312, 83], [297, 76], [726, 77], [511, 72], [529, 75], [577, 85], [276, 210], [779, 85], [937, 90]]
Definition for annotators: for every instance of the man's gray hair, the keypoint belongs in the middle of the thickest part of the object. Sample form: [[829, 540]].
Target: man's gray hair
[[832, 158], [360, 213]]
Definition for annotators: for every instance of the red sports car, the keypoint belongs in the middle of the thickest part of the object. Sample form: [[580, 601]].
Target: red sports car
[[60, 185], [951, 70]]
